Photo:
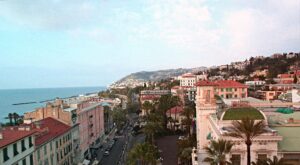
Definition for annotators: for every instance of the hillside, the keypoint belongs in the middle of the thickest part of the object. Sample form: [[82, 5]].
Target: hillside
[[145, 76]]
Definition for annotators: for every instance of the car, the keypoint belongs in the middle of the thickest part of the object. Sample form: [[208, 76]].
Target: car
[[181, 138], [106, 153]]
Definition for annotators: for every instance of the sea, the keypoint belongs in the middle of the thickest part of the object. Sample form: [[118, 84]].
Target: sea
[[36, 97]]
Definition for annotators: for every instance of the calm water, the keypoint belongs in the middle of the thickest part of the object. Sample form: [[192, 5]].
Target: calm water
[[13, 96]]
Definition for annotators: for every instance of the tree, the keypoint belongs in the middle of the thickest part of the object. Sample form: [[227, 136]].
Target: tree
[[166, 102], [119, 117], [188, 113], [147, 106], [153, 126], [217, 151], [144, 153], [295, 79], [269, 161], [247, 129], [10, 117], [15, 116], [186, 156]]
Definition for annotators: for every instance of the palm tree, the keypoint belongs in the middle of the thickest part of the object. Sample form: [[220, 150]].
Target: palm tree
[[144, 153], [188, 112], [147, 106], [269, 161], [247, 129], [10, 117], [186, 155], [153, 126], [217, 151], [15, 116]]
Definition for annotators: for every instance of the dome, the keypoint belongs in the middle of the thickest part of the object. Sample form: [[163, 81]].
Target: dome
[[242, 112]]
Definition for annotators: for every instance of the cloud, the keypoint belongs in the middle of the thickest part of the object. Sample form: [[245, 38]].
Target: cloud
[[49, 14], [220, 33], [212, 30]]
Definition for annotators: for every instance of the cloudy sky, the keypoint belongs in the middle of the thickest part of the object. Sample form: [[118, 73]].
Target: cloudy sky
[[60, 43]]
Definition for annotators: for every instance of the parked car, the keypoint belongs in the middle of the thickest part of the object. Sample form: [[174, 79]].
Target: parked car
[[181, 138], [106, 153]]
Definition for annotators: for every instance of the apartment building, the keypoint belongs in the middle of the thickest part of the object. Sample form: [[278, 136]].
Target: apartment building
[[54, 142], [231, 89], [17, 146]]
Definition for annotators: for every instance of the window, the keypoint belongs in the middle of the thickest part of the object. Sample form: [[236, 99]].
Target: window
[[46, 162], [45, 150], [57, 157], [236, 159], [31, 159], [30, 142], [5, 155], [38, 154], [51, 159], [50, 146], [15, 146], [24, 161], [23, 145], [56, 144]]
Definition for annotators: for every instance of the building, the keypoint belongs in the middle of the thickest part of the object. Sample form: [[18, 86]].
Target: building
[[90, 117], [151, 96], [17, 146], [212, 126], [296, 97], [259, 73], [189, 79], [89, 113], [231, 89], [283, 87], [54, 142], [255, 83], [177, 118], [268, 95]]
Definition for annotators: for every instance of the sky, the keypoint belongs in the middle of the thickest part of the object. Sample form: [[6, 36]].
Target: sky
[[67, 43]]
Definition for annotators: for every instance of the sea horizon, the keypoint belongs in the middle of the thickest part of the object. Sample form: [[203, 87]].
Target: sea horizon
[[8, 97]]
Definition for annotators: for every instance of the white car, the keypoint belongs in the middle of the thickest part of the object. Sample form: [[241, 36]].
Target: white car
[[106, 153], [181, 138]]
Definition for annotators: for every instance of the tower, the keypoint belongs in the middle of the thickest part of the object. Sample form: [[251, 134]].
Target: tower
[[205, 106]]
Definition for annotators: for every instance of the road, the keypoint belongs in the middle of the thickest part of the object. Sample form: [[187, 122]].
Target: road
[[115, 153], [123, 144]]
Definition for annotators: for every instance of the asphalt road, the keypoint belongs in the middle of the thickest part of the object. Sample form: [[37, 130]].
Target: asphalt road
[[115, 153]]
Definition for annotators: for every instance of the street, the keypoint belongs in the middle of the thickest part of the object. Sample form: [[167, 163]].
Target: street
[[119, 151]]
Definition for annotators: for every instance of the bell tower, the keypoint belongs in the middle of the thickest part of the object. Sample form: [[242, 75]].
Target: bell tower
[[205, 106]]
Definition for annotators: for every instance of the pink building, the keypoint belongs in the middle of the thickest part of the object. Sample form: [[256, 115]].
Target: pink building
[[90, 116]]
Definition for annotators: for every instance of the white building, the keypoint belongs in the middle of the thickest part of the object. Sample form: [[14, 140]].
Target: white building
[[211, 126], [17, 146], [255, 83], [296, 97]]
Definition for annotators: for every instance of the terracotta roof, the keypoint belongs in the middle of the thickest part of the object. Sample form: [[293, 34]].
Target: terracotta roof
[[205, 83], [149, 97], [175, 110], [188, 76], [50, 128], [285, 75], [13, 134], [175, 87], [230, 83]]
